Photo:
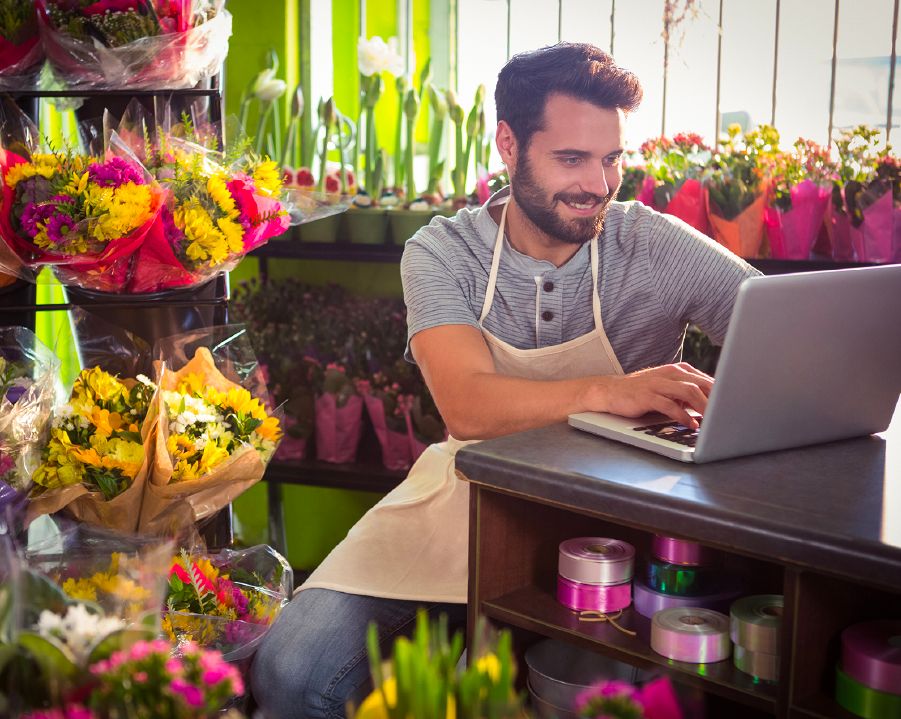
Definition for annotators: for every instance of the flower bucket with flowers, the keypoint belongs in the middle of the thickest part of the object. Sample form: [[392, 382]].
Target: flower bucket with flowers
[[422, 680], [134, 44], [672, 178], [339, 415], [866, 199], [737, 190], [387, 408], [800, 193], [21, 53]]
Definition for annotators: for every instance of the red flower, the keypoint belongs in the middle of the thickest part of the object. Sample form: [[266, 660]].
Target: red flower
[[332, 184], [102, 6], [304, 178]]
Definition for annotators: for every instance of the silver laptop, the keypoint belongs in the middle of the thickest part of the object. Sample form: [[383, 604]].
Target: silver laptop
[[810, 357]]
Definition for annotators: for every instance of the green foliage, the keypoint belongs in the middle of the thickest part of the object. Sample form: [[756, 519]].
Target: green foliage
[[426, 680], [17, 20]]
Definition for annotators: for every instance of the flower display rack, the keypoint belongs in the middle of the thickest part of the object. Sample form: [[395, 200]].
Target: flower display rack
[[217, 530]]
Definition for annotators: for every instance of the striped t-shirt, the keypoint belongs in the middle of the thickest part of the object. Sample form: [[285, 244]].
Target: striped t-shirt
[[657, 274]]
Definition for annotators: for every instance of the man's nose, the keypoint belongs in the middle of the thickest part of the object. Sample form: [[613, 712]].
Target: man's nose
[[594, 181]]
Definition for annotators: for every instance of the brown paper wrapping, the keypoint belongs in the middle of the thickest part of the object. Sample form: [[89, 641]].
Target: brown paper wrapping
[[121, 512], [744, 234], [211, 493]]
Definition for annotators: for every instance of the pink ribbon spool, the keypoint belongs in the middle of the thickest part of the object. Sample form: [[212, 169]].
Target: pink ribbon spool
[[691, 634], [593, 597], [681, 551], [871, 654], [596, 560]]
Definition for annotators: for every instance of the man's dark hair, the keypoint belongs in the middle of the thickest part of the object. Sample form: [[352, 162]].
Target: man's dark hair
[[580, 70]]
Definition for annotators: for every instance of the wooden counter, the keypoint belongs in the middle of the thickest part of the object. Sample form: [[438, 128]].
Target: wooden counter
[[821, 525]]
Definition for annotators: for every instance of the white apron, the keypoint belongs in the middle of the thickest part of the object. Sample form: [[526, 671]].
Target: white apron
[[414, 544]]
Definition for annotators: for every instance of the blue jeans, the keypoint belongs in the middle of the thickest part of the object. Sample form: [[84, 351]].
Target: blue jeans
[[313, 661]]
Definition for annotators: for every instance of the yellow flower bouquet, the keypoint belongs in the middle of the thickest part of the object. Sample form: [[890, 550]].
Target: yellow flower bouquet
[[95, 464], [213, 442]]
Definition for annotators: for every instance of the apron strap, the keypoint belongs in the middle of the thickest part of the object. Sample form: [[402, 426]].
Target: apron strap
[[495, 263]]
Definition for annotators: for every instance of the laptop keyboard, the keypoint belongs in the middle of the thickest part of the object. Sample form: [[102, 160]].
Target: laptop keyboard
[[672, 432]]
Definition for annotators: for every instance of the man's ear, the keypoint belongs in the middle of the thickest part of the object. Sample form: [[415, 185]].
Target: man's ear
[[507, 145]]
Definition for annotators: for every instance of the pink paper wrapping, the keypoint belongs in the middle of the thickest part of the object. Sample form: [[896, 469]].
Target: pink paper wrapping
[[338, 429], [793, 233], [290, 448], [839, 228], [395, 445], [689, 204], [658, 699], [416, 447], [878, 238]]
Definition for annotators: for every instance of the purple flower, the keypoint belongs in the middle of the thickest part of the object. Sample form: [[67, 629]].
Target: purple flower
[[114, 172], [58, 227], [35, 189], [33, 215], [14, 393]]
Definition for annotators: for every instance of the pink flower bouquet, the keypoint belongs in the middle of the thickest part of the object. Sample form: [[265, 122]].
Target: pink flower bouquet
[[672, 183], [21, 53]]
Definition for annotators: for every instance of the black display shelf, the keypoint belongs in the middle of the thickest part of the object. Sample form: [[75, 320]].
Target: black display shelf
[[289, 247], [364, 477]]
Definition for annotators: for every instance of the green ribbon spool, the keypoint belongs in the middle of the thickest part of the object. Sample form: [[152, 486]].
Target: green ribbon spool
[[678, 580], [863, 701]]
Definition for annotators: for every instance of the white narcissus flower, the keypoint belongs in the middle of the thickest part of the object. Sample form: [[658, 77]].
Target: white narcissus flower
[[79, 629], [268, 87], [375, 56]]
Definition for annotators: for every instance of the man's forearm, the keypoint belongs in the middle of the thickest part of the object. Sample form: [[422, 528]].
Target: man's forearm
[[495, 405]]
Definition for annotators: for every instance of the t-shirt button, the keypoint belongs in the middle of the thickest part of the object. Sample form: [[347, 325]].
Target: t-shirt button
[[548, 286], [547, 316]]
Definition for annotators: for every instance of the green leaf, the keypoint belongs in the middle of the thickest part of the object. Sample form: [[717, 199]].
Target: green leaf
[[56, 661]]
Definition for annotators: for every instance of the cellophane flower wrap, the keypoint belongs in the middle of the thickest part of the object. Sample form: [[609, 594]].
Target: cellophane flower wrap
[[800, 190], [339, 414], [86, 216], [97, 460], [21, 52], [227, 600], [214, 215], [29, 389], [737, 189], [134, 44], [672, 184], [388, 409], [217, 430]]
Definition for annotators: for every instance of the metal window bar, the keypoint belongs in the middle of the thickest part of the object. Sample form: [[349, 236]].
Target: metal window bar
[[891, 75], [775, 63]]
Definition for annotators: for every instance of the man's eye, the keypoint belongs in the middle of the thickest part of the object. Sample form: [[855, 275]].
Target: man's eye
[[571, 161], [613, 161]]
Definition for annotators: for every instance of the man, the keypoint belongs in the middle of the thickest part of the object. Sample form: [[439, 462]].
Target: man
[[550, 299]]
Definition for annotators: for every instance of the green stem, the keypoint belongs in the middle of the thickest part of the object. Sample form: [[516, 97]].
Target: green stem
[[323, 157], [339, 127], [288, 154], [261, 126], [277, 127], [370, 148], [398, 146], [307, 138], [408, 170]]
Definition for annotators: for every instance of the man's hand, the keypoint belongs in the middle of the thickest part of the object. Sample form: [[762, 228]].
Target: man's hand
[[670, 389]]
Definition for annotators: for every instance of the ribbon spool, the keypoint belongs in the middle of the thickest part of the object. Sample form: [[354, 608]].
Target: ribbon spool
[[596, 560], [871, 655], [682, 581], [594, 597], [691, 634], [648, 602], [762, 666], [681, 551], [863, 701], [756, 622]]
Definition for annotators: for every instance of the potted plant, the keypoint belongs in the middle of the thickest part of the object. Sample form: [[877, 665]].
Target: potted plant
[[737, 189], [801, 190], [672, 178]]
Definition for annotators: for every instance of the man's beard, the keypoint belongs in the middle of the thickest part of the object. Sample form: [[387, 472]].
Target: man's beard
[[531, 200]]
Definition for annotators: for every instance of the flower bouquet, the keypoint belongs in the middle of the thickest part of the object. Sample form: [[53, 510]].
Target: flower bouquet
[[215, 436], [95, 464], [85, 216], [212, 217], [226, 601], [801, 190], [866, 210], [134, 44], [21, 53], [737, 189], [29, 387], [672, 184]]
